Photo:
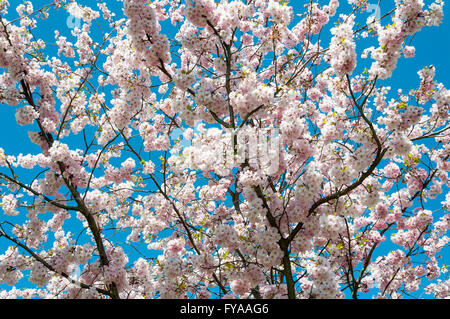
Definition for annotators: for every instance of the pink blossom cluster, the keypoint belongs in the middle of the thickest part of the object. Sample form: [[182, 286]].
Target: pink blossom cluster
[[144, 30], [247, 155], [11, 264], [199, 12], [408, 19], [342, 47]]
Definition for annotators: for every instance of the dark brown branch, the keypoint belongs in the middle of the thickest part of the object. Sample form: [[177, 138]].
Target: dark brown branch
[[50, 267]]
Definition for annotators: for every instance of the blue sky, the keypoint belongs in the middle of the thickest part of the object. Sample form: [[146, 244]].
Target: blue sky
[[432, 48]]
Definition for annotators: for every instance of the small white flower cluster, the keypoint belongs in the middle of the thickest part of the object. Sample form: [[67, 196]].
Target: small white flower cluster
[[281, 14], [39, 274], [144, 30], [9, 205]]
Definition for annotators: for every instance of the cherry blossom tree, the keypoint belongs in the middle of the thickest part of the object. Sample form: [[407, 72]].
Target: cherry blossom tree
[[222, 149]]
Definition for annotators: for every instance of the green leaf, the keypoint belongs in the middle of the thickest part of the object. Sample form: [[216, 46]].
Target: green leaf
[[401, 105]]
